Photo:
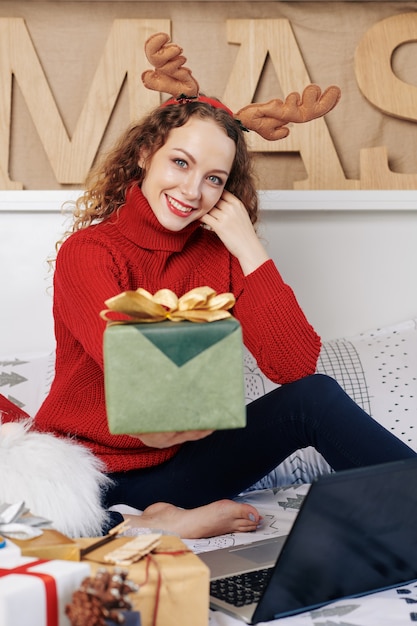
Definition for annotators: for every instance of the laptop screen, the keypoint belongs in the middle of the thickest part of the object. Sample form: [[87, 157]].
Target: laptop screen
[[355, 533]]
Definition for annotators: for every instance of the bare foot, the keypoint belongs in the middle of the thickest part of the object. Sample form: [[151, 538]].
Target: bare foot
[[216, 518]]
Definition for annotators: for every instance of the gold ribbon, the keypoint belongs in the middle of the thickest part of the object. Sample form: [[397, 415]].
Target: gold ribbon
[[201, 304]]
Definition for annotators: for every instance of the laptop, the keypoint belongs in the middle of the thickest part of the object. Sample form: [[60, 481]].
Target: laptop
[[356, 532]]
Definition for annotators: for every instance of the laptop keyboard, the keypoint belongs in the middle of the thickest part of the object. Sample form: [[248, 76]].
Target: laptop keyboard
[[241, 589]]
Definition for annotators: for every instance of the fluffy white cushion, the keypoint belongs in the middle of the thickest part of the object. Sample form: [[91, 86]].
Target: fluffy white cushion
[[56, 478]]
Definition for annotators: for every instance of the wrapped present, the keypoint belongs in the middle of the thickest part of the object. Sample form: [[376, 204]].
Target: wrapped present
[[35, 592], [169, 376], [9, 552], [173, 582], [51, 544]]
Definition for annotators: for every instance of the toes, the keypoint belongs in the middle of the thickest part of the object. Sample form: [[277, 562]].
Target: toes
[[245, 526]]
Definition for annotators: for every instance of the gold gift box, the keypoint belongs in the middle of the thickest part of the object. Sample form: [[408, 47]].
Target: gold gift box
[[173, 582]]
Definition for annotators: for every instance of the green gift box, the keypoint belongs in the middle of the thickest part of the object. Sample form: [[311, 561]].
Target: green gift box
[[169, 376]]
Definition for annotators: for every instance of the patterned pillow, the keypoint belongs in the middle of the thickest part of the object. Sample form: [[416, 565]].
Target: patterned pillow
[[10, 411], [25, 379], [378, 369]]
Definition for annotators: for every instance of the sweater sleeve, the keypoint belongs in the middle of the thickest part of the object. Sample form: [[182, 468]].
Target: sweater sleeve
[[275, 329], [81, 288]]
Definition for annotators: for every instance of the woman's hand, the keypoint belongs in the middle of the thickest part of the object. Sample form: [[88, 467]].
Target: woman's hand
[[165, 440], [230, 221]]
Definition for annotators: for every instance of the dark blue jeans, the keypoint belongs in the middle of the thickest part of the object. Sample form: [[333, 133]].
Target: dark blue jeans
[[314, 411]]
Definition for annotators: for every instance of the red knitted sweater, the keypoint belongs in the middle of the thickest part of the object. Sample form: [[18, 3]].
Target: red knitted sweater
[[130, 250]]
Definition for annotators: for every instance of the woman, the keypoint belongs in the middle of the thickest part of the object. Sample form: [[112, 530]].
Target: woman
[[174, 206]]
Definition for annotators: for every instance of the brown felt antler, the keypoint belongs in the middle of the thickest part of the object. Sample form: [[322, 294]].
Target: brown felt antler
[[268, 119], [169, 75]]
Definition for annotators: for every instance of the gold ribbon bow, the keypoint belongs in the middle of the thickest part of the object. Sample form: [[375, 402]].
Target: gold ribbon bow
[[201, 304]]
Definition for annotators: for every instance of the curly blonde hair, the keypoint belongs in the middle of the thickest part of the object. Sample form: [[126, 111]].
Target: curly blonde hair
[[109, 180]]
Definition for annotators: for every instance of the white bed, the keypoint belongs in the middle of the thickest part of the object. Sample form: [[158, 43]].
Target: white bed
[[378, 367]]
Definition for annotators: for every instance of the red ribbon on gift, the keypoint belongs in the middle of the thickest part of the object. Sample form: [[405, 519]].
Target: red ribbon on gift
[[50, 588], [150, 560]]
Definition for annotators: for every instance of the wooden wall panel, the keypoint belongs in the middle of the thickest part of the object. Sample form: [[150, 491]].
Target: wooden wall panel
[[63, 96]]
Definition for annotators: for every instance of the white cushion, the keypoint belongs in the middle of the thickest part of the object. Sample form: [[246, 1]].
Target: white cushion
[[377, 368], [25, 378]]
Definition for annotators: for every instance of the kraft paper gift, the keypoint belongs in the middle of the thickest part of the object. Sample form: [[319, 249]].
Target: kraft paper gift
[[173, 583], [35, 592], [50, 545], [169, 376]]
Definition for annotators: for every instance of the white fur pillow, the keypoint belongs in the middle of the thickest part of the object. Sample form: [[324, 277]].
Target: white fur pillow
[[56, 478]]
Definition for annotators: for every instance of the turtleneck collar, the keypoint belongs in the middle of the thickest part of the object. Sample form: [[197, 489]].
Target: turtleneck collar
[[138, 223]]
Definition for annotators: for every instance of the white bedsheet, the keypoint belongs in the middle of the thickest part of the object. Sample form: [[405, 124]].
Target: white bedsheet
[[394, 607]]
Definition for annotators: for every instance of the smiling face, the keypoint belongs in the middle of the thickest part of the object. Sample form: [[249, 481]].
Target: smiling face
[[185, 178]]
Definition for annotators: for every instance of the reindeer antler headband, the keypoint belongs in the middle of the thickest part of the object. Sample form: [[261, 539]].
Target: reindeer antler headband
[[268, 119]]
